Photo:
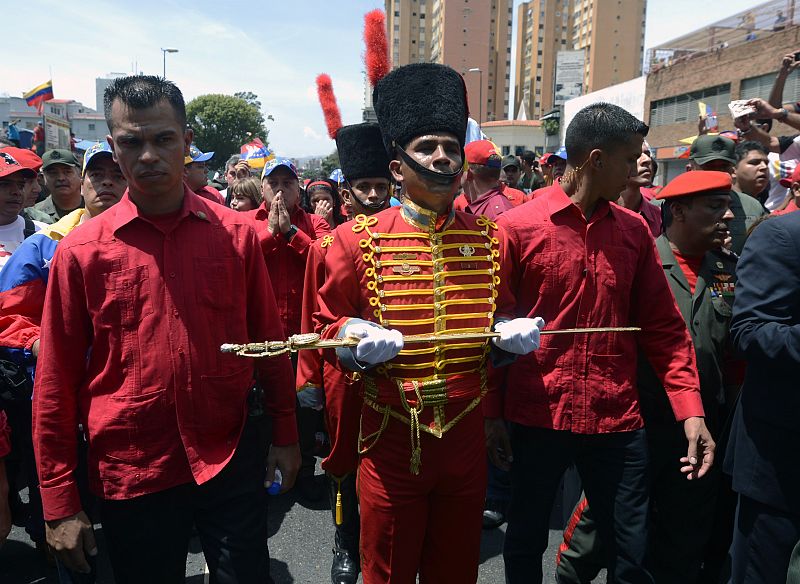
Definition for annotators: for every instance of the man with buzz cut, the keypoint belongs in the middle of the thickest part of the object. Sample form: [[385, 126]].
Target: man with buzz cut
[[586, 262], [138, 303], [421, 268]]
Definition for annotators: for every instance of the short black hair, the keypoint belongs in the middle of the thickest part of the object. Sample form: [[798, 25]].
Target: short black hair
[[748, 146], [528, 156], [142, 92], [600, 125]]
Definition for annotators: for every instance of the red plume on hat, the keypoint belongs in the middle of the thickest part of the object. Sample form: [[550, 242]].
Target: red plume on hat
[[377, 55], [333, 119]]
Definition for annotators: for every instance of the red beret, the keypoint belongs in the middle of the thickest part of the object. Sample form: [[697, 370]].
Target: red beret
[[696, 182], [482, 152]]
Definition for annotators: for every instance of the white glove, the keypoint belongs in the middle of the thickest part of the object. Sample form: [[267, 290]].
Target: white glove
[[311, 397], [519, 336], [377, 344]]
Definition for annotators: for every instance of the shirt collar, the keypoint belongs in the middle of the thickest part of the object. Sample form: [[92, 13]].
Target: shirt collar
[[558, 201], [423, 218], [126, 210]]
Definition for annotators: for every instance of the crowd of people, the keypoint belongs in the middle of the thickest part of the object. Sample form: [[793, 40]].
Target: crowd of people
[[465, 326]]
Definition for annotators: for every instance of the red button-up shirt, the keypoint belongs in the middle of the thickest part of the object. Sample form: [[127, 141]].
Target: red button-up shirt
[[603, 272], [491, 204], [135, 313], [286, 261]]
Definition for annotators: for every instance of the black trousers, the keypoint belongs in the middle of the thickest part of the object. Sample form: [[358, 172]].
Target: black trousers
[[613, 469], [148, 536], [763, 540]]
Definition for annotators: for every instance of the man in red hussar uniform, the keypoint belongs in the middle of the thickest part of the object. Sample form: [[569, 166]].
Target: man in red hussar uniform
[[421, 268], [366, 191]]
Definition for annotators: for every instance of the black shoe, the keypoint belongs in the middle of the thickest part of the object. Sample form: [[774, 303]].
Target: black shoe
[[344, 569], [493, 514], [310, 489]]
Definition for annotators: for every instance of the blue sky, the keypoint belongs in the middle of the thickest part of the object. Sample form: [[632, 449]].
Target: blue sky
[[274, 49]]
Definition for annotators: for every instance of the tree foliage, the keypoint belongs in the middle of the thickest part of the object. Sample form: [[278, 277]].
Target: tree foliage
[[551, 126], [223, 123], [330, 163]]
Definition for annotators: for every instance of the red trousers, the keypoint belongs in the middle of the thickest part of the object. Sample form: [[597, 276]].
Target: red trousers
[[342, 415], [428, 523]]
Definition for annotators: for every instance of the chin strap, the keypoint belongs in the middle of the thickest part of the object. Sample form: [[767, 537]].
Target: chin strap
[[442, 178], [379, 206]]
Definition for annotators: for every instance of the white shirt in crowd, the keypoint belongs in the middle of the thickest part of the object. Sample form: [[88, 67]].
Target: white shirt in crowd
[[11, 236]]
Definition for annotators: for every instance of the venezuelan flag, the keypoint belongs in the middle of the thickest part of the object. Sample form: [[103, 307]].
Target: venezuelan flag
[[39, 94], [256, 154], [23, 282]]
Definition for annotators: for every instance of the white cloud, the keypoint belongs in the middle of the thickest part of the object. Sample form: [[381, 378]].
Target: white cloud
[[310, 133]]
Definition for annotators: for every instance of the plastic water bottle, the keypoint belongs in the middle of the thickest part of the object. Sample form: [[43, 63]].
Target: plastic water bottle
[[275, 487]]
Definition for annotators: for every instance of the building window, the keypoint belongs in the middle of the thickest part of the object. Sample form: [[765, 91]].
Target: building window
[[683, 108], [505, 150], [91, 127], [760, 86]]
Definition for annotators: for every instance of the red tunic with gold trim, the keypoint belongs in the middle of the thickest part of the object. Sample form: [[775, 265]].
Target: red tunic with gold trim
[[398, 269], [422, 467]]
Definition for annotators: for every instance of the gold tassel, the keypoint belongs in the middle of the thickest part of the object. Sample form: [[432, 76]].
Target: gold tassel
[[339, 512], [416, 447]]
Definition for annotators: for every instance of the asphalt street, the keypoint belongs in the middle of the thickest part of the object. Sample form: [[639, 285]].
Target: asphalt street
[[301, 536]]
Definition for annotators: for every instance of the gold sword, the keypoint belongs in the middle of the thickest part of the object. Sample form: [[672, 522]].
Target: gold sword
[[313, 340]]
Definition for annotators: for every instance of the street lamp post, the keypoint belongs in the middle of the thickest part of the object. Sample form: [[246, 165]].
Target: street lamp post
[[165, 51], [480, 92]]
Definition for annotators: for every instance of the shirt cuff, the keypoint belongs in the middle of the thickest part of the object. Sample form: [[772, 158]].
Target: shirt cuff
[[284, 430], [686, 404], [60, 501]]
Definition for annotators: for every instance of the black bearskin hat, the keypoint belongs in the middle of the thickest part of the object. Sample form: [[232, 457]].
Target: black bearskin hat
[[361, 152], [418, 99]]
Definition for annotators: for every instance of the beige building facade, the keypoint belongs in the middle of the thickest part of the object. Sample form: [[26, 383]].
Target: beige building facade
[[455, 33], [609, 33]]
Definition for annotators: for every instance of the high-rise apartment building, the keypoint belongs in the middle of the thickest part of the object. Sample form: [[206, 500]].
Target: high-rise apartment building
[[474, 38], [612, 37], [603, 38]]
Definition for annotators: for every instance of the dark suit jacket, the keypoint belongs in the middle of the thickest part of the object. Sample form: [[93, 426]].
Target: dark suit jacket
[[764, 451]]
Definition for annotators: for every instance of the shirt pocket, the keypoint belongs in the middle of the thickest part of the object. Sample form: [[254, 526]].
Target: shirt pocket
[[128, 297], [222, 402], [216, 281], [615, 266]]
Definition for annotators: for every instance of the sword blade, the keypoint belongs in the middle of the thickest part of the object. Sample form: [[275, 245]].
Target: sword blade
[[301, 342]]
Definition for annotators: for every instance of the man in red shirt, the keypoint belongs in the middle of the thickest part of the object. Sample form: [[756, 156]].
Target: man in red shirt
[[138, 303], [195, 175], [587, 263], [483, 190], [286, 232]]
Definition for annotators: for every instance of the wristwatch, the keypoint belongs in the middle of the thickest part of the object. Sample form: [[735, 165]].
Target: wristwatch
[[783, 113], [290, 234]]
